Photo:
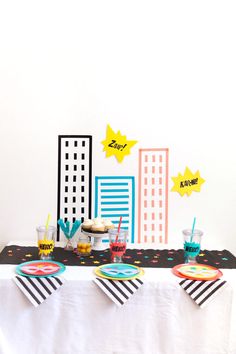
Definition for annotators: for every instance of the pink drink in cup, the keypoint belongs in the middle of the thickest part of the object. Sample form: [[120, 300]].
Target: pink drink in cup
[[117, 240]]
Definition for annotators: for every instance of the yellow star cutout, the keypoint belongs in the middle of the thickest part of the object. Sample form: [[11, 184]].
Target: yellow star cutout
[[187, 183], [117, 144]]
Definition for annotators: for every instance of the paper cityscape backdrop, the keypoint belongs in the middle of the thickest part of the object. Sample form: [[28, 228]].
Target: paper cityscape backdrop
[[114, 195]]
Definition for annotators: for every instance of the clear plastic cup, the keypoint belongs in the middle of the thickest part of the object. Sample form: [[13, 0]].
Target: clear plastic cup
[[46, 241], [118, 241], [192, 245]]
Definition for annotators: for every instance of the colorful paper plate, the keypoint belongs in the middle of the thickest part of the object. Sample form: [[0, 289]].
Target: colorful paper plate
[[119, 270], [197, 271], [40, 268], [116, 271]]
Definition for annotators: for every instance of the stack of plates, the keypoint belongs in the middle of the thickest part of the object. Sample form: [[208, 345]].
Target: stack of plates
[[40, 268], [197, 271], [119, 271]]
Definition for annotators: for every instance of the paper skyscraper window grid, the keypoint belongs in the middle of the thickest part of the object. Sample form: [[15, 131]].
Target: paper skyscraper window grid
[[74, 178], [153, 196], [115, 197]]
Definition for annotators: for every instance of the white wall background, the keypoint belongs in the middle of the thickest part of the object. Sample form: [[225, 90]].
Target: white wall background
[[163, 72]]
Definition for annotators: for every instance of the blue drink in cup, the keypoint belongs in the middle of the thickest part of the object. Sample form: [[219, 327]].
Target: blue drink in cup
[[192, 245]]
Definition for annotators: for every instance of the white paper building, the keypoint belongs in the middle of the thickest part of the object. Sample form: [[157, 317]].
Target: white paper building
[[74, 177]]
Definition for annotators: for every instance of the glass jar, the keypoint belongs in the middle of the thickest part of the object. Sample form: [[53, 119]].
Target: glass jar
[[84, 245]]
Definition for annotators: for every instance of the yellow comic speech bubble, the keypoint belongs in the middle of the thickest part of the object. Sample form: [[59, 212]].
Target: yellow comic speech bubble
[[187, 183], [45, 246], [117, 144]]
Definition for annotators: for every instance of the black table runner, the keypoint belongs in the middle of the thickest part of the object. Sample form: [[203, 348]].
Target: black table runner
[[141, 257]]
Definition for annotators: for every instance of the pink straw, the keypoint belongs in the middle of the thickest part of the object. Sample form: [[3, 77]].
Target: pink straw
[[119, 228]]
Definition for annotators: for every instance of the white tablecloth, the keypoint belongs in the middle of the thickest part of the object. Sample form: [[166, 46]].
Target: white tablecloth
[[79, 318]]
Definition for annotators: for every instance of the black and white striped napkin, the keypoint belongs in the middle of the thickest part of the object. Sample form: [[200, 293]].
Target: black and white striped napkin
[[119, 291], [37, 290], [202, 292]]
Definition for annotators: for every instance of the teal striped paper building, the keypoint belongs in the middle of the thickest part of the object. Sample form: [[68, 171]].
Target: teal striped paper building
[[115, 197]]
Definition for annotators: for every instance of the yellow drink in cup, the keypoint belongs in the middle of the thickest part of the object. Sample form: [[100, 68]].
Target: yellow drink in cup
[[46, 241]]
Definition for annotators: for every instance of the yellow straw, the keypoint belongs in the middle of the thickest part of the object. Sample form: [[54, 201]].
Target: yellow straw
[[46, 226]]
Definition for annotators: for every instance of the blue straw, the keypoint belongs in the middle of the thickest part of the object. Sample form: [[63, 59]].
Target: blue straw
[[66, 227], [75, 227], [63, 227], [194, 222]]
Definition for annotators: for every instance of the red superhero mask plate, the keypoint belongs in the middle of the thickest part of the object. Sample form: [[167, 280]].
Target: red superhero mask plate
[[40, 268]]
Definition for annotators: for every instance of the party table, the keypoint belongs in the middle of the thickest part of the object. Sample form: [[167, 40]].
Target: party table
[[160, 318]]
